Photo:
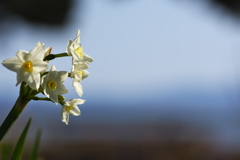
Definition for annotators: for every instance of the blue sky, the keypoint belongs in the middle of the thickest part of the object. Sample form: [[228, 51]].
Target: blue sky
[[145, 52], [141, 48]]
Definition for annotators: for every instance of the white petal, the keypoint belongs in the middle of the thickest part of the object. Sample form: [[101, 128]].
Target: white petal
[[68, 50], [20, 54], [75, 58], [62, 75], [61, 89], [34, 81], [53, 96], [75, 111], [77, 77], [78, 87], [52, 74], [39, 66], [76, 101], [81, 66], [87, 58], [85, 74], [27, 57], [36, 47], [76, 41], [46, 91], [12, 64], [29, 79], [20, 76], [43, 82], [48, 51], [78, 37], [78, 33], [53, 68], [38, 51], [65, 117]]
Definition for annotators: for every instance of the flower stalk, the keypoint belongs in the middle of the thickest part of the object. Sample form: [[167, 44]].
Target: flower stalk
[[41, 99], [17, 109], [53, 56]]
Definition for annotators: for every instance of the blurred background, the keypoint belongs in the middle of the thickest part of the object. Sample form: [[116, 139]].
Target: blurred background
[[164, 83]]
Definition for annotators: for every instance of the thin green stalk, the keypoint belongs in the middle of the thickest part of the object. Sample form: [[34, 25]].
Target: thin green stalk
[[25, 95], [53, 56], [17, 109], [41, 99], [61, 55]]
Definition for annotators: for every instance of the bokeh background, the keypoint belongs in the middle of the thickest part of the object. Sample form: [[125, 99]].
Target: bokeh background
[[164, 83]]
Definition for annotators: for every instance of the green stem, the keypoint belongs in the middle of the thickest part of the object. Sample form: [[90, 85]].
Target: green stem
[[53, 56], [61, 55], [41, 99], [18, 107]]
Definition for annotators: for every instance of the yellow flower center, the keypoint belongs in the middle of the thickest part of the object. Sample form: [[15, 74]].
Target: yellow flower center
[[52, 85], [27, 66], [79, 51], [80, 73], [68, 108]]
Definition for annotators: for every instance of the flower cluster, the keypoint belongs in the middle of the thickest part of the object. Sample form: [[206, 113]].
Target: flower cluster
[[31, 68]]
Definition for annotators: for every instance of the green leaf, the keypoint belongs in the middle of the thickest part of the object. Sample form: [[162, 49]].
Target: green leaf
[[36, 145], [5, 151], [17, 153]]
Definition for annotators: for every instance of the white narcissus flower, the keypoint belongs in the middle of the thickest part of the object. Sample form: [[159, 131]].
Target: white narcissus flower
[[52, 84], [70, 108], [75, 50], [28, 65], [79, 73]]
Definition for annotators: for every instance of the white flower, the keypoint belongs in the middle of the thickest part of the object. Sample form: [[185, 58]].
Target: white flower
[[75, 50], [70, 108], [28, 65], [52, 84], [79, 73]]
